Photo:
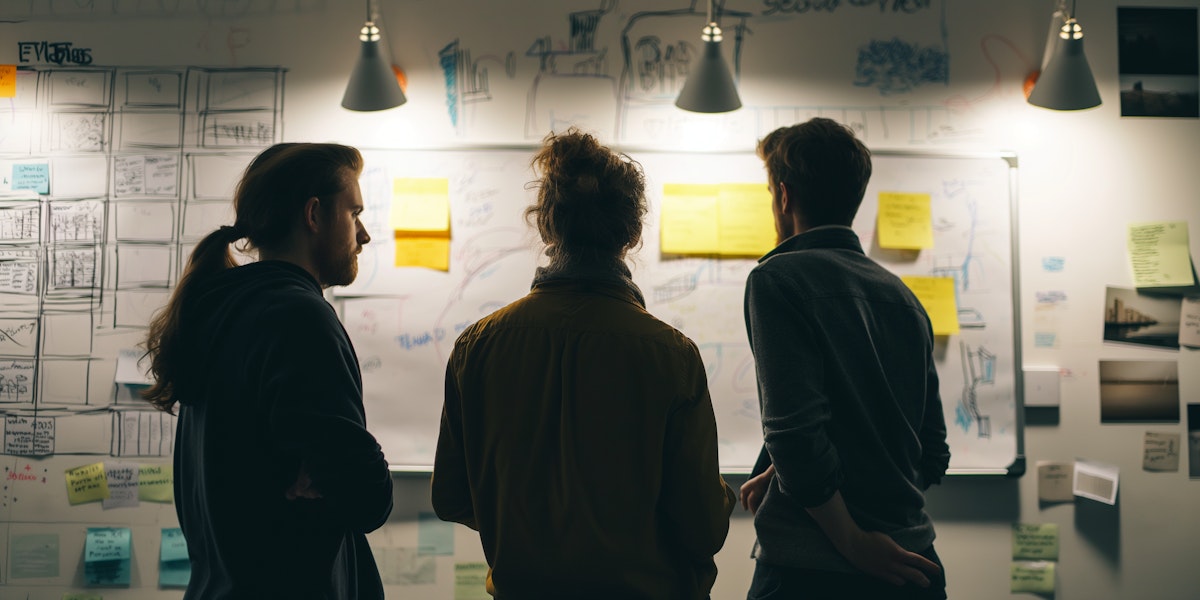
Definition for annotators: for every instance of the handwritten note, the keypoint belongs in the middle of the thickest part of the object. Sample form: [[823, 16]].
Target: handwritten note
[[937, 296], [33, 556], [31, 176], [905, 221], [1035, 541], [28, 436], [1161, 451], [1032, 577], [8, 81], [87, 484], [1189, 322], [122, 484], [689, 222], [726, 219], [416, 250], [1159, 254], [470, 581], [1054, 481], [156, 483], [174, 566], [106, 555]]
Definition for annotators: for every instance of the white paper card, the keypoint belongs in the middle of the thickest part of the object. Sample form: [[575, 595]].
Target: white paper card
[[1097, 481]]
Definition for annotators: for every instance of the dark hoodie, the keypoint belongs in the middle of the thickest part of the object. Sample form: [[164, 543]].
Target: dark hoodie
[[272, 385]]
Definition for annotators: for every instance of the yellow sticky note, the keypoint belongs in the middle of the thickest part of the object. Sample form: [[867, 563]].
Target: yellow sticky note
[[87, 484], [1158, 253], [689, 219], [470, 581], [156, 483], [937, 296], [1034, 541], [8, 81], [1033, 577], [905, 221], [429, 251], [421, 204], [747, 227]]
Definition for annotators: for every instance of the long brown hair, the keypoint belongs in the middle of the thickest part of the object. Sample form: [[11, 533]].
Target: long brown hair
[[590, 200], [268, 201]]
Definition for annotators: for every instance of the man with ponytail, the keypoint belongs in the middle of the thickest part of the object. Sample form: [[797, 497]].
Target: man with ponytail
[[277, 480], [577, 435]]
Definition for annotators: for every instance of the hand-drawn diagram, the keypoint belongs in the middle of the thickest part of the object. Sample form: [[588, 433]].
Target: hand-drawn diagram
[[979, 368], [83, 266]]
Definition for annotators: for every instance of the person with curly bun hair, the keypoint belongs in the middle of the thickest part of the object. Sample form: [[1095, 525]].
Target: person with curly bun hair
[[578, 436]]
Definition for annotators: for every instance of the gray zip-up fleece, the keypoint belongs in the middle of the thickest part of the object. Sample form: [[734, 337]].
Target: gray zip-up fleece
[[849, 397]]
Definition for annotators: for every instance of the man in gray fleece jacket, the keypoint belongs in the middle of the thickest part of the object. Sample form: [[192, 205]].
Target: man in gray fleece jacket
[[852, 419]]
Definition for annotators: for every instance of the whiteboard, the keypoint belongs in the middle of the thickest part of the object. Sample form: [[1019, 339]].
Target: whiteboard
[[404, 320]]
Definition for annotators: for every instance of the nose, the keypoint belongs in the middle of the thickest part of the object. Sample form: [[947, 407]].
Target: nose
[[364, 238]]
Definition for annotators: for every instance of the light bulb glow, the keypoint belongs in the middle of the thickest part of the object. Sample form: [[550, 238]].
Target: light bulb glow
[[711, 33], [1071, 30], [369, 32]]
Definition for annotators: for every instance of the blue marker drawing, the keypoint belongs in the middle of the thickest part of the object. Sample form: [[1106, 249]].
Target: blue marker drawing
[[1053, 264], [896, 66]]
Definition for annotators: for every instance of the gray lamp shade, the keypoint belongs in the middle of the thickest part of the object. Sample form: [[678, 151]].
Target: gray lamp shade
[[1067, 82], [709, 87], [373, 84]]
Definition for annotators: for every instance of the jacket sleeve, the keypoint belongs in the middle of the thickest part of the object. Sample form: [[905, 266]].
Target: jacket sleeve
[[935, 453], [795, 409], [313, 394], [450, 487], [695, 500]]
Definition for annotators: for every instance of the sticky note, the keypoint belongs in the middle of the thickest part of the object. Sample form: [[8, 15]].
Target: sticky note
[[747, 226], [122, 484], [87, 484], [937, 296], [1032, 577], [1034, 541], [420, 204], [8, 81], [429, 251], [1161, 451], [688, 222], [434, 536], [106, 555], [470, 581], [33, 556], [1055, 480], [1158, 253], [156, 483], [905, 221], [174, 566], [1189, 322], [31, 176]]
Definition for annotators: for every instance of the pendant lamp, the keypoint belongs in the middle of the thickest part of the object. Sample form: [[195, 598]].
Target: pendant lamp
[[709, 87], [373, 84], [1067, 83]]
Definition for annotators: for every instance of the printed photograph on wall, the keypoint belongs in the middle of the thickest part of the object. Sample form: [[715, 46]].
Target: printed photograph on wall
[[1139, 391], [1193, 426], [1156, 54], [1136, 318]]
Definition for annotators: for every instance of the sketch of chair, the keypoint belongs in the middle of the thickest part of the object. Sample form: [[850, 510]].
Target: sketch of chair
[[979, 368]]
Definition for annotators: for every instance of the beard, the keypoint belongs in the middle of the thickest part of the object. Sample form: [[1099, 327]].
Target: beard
[[337, 266]]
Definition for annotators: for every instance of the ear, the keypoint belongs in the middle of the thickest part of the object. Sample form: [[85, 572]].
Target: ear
[[312, 211], [785, 203]]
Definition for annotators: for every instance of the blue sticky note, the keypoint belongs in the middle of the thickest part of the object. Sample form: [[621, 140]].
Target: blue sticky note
[[106, 555], [434, 536], [1053, 264], [174, 568], [31, 176], [1045, 339]]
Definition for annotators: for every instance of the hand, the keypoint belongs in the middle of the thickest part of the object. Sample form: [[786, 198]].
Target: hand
[[302, 488], [880, 556], [755, 488]]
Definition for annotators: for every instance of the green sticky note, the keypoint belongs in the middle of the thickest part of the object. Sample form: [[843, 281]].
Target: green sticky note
[[106, 555], [87, 484], [174, 568], [1034, 577], [33, 556], [1034, 541], [156, 483], [470, 581]]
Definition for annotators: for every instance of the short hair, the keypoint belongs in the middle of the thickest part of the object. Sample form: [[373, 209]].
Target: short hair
[[590, 200], [825, 167]]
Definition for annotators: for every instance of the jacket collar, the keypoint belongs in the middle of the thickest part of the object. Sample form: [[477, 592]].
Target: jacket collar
[[611, 279], [832, 237]]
